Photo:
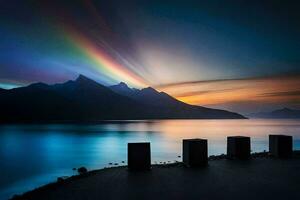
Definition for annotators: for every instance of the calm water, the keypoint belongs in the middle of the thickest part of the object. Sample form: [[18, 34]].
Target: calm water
[[32, 155]]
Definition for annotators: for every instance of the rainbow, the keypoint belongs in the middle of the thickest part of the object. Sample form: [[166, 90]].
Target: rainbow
[[104, 63]]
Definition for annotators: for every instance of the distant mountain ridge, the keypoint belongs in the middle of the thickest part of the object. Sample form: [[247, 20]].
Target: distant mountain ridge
[[284, 113], [86, 100], [147, 95]]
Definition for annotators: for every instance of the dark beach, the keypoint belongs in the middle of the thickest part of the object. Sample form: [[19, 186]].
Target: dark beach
[[261, 177]]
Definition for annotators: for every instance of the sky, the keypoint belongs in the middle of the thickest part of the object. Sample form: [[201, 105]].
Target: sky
[[238, 55]]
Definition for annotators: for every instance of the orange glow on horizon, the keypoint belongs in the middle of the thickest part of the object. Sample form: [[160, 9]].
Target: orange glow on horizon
[[266, 90]]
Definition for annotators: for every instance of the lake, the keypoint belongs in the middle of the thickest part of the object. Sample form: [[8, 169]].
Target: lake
[[33, 155]]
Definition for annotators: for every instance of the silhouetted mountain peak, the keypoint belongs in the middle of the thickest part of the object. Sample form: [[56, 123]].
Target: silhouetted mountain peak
[[123, 89], [284, 113], [81, 78], [123, 85], [148, 95], [39, 85], [85, 82], [84, 99], [150, 90]]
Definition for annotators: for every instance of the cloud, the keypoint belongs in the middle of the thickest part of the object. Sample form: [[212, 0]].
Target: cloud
[[286, 93], [208, 92], [260, 91]]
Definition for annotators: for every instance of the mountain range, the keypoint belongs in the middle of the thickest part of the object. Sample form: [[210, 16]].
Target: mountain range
[[86, 100], [284, 113]]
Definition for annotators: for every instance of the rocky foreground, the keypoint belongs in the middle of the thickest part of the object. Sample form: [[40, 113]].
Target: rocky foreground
[[261, 177]]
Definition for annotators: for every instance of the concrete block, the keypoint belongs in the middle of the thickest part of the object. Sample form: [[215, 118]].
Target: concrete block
[[281, 145], [139, 156], [194, 152], [238, 147]]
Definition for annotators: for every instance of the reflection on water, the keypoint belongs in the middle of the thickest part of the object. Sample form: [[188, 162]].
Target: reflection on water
[[32, 155]]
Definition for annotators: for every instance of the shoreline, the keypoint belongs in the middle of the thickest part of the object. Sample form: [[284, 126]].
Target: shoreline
[[104, 121], [126, 121], [107, 171]]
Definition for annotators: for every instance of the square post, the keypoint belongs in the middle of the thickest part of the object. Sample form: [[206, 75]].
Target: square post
[[194, 152], [281, 145], [139, 156], [238, 147]]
